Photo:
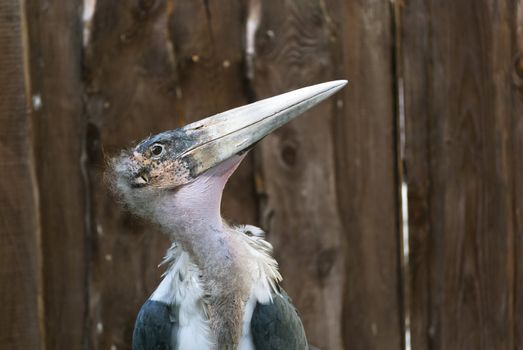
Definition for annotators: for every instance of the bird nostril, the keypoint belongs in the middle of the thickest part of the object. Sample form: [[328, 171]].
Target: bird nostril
[[141, 180]]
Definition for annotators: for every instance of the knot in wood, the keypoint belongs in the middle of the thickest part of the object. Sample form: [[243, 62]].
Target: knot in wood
[[289, 153]]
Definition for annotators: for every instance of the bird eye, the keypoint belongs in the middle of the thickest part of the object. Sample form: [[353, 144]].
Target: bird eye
[[157, 149]]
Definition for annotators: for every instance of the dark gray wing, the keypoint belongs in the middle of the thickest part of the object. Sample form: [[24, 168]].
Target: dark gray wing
[[277, 326], [156, 327]]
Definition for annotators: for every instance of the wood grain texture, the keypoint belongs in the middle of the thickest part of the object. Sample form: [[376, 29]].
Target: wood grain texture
[[55, 42], [152, 66], [296, 167], [517, 174], [366, 177], [328, 178], [19, 223], [75, 266], [460, 173]]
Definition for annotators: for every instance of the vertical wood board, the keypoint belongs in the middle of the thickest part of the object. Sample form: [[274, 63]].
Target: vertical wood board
[[367, 177], [517, 161], [20, 292], [55, 44], [460, 173]]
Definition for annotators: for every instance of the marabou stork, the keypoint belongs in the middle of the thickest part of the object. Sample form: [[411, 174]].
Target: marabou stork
[[221, 289]]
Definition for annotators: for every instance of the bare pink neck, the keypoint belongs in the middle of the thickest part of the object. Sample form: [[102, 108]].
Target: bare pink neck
[[191, 214]]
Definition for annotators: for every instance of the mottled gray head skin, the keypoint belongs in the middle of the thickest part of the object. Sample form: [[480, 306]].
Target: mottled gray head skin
[[174, 158]]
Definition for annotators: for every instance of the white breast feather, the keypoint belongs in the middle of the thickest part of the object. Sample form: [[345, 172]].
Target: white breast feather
[[181, 286]]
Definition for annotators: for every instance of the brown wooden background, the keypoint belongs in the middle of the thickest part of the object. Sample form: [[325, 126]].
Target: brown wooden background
[[435, 100]]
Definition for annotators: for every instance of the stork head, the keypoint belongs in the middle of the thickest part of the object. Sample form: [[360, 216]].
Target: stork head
[[163, 165]]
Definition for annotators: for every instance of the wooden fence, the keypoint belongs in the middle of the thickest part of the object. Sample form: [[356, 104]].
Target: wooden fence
[[435, 101]]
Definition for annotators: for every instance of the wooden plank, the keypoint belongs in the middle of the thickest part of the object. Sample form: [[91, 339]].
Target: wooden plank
[[460, 170], [20, 292], [367, 177], [328, 178], [55, 40], [152, 66], [517, 175]]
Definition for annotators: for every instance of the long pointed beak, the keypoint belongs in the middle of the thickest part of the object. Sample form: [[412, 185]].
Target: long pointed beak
[[219, 137]]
